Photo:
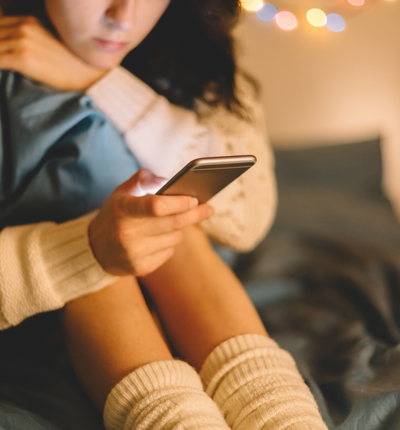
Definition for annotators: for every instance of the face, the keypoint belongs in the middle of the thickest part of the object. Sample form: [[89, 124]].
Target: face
[[102, 32]]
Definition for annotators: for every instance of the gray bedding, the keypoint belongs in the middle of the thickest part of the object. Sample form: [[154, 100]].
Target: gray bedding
[[326, 282]]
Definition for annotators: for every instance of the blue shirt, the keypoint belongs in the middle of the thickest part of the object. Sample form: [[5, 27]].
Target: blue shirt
[[60, 157]]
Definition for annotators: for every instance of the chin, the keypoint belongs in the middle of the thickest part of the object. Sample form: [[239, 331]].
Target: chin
[[102, 61], [106, 64]]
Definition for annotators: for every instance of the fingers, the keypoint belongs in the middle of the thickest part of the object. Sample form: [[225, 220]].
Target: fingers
[[137, 204], [191, 217], [160, 206], [152, 262], [10, 21], [143, 182], [18, 36], [162, 214], [152, 244]]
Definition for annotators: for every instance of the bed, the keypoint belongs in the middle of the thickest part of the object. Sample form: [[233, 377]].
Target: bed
[[326, 282]]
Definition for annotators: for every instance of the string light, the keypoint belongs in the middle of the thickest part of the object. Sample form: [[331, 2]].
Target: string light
[[252, 5], [287, 19], [267, 12], [335, 22], [316, 17]]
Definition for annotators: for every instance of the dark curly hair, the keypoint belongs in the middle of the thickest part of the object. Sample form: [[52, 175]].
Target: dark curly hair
[[188, 55]]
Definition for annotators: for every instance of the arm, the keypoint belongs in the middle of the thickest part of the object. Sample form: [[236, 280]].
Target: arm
[[45, 265], [164, 137]]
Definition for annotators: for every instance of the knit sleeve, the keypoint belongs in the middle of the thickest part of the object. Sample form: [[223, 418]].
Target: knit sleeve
[[256, 385], [45, 265], [164, 137]]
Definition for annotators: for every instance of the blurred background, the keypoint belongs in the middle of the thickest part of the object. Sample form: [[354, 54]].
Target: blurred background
[[322, 87]]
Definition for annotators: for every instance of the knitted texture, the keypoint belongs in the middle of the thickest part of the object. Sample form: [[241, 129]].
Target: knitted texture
[[164, 137], [257, 386], [161, 395], [45, 265]]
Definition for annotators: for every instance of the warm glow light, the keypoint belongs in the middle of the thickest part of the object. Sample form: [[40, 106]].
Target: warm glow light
[[356, 2], [335, 22], [252, 5], [267, 12], [286, 20], [316, 17]]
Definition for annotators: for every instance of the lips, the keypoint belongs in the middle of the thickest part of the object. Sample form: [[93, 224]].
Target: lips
[[110, 46]]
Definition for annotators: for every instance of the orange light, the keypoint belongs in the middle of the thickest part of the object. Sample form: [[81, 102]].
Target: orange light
[[356, 2]]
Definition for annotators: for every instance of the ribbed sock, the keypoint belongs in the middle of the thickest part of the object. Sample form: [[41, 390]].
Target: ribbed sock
[[257, 385], [162, 395]]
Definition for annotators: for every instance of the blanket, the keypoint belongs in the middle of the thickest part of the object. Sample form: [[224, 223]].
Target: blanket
[[326, 282]]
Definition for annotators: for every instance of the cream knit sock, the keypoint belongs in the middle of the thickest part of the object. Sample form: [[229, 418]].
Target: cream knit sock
[[162, 395], [257, 386]]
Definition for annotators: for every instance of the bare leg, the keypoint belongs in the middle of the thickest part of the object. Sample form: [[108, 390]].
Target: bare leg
[[109, 334], [200, 301]]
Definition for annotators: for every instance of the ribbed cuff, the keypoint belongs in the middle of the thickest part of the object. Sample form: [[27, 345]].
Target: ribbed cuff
[[231, 352], [122, 97], [45, 265], [69, 261], [162, 394], [257, 385]]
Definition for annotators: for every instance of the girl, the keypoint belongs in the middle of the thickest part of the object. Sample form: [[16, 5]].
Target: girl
[[63, 153]]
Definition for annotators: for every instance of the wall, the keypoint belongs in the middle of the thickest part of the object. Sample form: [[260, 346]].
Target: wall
[[322, 87]]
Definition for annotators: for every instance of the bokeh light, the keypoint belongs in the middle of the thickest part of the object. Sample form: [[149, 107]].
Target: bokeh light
[[335, 22], [316, 17], [252, 5], [267, 12], [356, 2], [286, 20]]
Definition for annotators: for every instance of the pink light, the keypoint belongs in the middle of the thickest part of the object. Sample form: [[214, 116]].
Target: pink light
[[286, 20], [356, 2]]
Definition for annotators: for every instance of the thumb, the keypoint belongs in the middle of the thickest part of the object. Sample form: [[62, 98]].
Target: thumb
[[143, 182]]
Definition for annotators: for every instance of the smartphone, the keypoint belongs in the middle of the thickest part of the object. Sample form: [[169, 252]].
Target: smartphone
[[204, 177]]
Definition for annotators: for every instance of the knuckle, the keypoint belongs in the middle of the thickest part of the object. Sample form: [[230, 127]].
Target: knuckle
[[140, 268], [179, 221], [23, 55], [24, 29], [32, 19], [135, 253], [156, 206], [117, 207], [121, 235]]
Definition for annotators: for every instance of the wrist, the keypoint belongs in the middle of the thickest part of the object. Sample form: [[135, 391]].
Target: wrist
[[85, 78], [106, 252]]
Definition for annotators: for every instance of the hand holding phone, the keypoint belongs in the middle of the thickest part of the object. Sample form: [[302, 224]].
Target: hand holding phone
[[204, 177]]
